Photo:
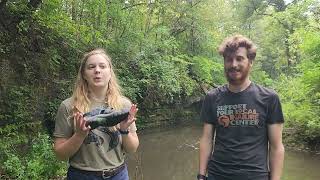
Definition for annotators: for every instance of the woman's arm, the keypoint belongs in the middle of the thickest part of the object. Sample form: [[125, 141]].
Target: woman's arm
[[130, 141], [64, 148]]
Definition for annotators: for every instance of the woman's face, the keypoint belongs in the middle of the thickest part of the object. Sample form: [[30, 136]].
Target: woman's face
[[97, 71]]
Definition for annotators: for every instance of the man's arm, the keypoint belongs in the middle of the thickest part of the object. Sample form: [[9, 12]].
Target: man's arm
[[205, 147], [276, 151]]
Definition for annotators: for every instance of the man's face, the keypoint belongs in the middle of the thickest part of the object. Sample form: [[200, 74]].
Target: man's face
[[237, 66]]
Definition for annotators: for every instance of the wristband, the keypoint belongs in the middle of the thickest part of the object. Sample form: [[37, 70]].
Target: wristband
[[200, 176], [125, 132]]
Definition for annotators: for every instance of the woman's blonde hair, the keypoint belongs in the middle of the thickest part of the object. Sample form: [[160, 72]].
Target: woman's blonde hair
[[80, 97]]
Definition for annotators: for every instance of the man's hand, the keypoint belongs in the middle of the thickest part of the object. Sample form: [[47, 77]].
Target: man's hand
[[201, 177]]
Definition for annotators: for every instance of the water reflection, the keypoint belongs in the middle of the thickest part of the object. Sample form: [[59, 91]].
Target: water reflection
[[300, 166], [172, 154]]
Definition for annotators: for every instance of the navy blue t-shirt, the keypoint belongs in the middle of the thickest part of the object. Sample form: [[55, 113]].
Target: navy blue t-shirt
[[241, 120]]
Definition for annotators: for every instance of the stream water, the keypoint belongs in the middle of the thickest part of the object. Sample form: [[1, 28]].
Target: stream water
[[172, 154]]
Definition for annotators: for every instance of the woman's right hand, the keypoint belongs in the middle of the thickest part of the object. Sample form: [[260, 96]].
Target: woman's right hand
[[80, 125], [67, 147]]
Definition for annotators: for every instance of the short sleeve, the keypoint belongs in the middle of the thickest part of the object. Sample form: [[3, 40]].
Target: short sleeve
[[275, 114], [63, 125], [126, 103], [208, 114]]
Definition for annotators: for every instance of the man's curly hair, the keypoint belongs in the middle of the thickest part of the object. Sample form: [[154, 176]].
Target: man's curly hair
[[230, 45]]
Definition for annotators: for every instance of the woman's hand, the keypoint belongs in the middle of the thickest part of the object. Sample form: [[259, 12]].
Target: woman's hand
[[80, 126], [67, 147], [124, 125]]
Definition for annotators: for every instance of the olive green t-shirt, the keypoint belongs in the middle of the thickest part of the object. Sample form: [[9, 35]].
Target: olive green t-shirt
[[100, 150]]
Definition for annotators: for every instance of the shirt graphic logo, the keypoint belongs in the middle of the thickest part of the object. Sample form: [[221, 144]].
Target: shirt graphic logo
[[98, 141], [224, 121], [237, 115]]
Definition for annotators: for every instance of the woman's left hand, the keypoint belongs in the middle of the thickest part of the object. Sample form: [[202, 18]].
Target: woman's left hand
[[124, 125]]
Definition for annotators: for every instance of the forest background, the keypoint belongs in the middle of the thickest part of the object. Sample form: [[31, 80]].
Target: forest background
[[165, 56]]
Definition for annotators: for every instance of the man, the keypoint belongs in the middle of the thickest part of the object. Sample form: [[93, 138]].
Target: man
[[244, 119]]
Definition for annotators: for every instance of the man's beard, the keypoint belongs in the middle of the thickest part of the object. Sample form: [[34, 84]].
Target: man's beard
[[238, 80]]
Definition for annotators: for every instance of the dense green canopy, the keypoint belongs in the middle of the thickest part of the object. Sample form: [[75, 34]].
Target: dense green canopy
[[164, 52]]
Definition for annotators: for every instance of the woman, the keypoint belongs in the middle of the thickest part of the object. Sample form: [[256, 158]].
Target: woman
[[98, 153]]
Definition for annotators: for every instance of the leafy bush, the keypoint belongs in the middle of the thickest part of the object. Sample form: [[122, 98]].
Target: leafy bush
[[26, 157], [207, 70], [301, 94]]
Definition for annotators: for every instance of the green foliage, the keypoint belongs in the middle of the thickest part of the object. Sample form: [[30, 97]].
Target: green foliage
[[25, 157], [311, 45], [163, 77], [164, 53], [208, 71], [301, 94], [15, 108], [300, 111], [260, 76]]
